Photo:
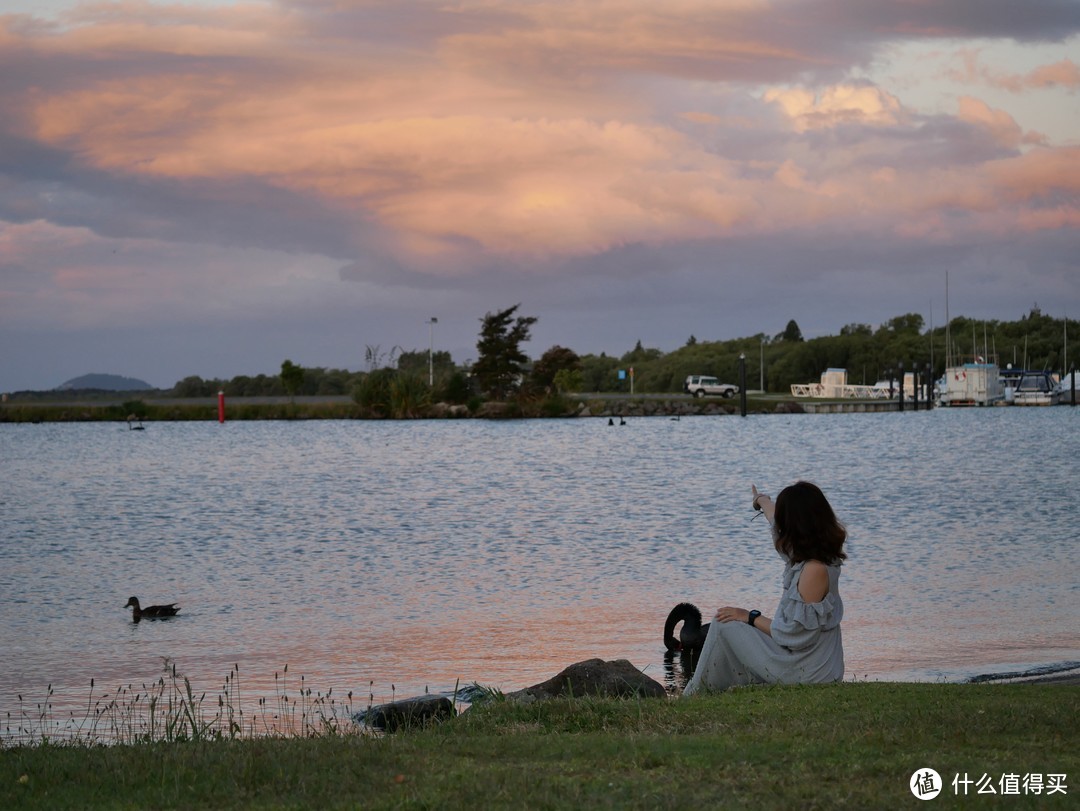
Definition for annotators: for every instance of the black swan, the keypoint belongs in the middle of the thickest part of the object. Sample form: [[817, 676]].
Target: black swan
[[691, 635]]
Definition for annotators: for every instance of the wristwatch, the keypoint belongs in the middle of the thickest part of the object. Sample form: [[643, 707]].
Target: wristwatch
[[753, 616]]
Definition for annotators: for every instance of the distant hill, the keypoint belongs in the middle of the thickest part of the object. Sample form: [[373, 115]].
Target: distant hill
[[104, 383]]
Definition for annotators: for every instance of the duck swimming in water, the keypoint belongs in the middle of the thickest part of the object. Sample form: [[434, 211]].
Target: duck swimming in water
[[151, 611]]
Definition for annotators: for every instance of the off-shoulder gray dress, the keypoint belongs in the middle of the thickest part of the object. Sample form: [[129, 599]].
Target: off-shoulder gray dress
[[805, 645]]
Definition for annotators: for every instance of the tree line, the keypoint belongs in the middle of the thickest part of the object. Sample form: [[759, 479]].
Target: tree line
[[398, 381]]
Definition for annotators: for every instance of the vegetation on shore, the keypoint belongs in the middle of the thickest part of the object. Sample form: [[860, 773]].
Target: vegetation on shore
[[340, 409], [850, 745], [404, 385]]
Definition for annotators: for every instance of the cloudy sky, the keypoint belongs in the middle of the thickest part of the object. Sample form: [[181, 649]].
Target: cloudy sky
[[207, 188]]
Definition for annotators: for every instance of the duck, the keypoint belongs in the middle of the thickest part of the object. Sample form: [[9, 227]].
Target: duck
[[151, 611]]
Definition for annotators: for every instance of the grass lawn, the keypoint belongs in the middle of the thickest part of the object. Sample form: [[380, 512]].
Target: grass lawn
[[850, 745]]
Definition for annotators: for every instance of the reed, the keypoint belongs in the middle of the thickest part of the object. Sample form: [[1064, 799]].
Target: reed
[[170, 709]]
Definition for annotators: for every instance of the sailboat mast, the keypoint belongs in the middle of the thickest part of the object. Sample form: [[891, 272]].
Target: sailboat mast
[[931, 338], [948, 339]]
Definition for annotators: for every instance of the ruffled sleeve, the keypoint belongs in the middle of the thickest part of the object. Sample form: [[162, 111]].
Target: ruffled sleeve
[[798, 624]]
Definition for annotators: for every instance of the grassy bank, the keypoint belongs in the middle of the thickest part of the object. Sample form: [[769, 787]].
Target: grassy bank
[[150, 411], [852, 745], [239, 408]]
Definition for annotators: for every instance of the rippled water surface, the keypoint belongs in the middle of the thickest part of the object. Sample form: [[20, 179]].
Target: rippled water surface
[[399, 556]]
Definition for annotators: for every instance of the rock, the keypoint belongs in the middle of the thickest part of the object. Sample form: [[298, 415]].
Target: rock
[[494, 410], [594, 677], [409, 712], [447, 411]]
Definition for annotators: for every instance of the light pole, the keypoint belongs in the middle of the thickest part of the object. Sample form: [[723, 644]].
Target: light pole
[[742, 384], [431, 352]]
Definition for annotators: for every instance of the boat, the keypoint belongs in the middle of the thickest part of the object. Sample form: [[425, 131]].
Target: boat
[[1024, 387], [1068, 388], [973, 383]]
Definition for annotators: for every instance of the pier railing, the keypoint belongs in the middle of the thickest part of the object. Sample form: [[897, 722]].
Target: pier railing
[[839, 392]]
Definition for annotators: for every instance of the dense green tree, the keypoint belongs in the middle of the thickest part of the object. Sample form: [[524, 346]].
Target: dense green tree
[[195, 386], [791, 333], [910, 323], [498, 368], [640, 354], [856, 329], [456, 389], [329, 382], [555, 360], [292, 377], [599, 373], [567, 380]]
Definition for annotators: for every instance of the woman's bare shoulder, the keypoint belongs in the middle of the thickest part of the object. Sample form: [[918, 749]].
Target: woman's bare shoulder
[[814, 581]]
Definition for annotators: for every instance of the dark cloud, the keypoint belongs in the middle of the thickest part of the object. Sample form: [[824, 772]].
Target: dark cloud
[[305, 179], [1039, 20]]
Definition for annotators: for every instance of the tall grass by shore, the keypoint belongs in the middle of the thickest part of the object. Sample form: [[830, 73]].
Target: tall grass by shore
[[171, 710], [850, 745]]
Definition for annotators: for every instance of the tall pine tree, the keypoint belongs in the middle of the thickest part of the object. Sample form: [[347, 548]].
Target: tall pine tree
[[498, 365]]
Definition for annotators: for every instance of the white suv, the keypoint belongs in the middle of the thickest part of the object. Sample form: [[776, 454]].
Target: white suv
[[700, 385]]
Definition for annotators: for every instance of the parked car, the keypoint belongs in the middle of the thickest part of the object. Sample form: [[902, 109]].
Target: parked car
[[700, 385]]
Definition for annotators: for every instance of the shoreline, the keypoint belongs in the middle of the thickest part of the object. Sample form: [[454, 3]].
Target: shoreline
[[1070, 679], [121, 407], [1065, 673]]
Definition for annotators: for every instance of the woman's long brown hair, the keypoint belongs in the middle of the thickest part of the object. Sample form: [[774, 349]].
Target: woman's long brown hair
[[806, 526]]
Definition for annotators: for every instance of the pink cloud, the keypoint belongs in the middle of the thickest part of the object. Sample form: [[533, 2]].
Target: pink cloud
[[1064, 74], [1041, 174], [1001, 126], [522, 136], [836, 105], [1061, 74]]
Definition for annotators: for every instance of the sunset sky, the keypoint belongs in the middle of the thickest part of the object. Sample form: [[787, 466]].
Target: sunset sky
[[208, 188]]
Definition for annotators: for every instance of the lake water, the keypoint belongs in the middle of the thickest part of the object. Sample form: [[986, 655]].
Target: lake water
[[387, 558]]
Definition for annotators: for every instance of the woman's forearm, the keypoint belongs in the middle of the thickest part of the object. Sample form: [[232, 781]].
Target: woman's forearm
[[765, 504], [763, 624]]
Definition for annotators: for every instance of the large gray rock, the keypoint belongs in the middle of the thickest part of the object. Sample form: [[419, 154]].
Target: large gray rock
[[594, 677], [409, 712]]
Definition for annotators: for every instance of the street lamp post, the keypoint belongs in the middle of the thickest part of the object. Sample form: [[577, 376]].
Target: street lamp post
[[742, 384], [431, 352]]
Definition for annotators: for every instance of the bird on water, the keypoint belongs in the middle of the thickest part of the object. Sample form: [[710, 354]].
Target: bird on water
[[151, 611]]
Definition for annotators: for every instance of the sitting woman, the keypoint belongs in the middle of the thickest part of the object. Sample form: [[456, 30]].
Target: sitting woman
[[801, 644]]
